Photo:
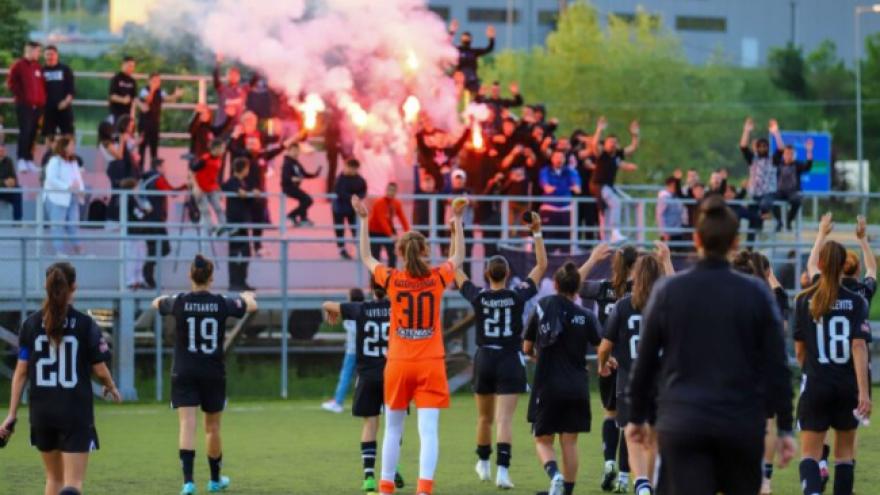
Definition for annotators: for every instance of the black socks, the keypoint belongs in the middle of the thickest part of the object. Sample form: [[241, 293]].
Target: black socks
[[187, 457]]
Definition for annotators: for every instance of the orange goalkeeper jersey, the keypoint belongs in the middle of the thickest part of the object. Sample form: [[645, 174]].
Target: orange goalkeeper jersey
[[416, 326]]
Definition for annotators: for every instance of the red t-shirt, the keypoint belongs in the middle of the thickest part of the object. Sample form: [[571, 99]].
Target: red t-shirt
[[206, 177]]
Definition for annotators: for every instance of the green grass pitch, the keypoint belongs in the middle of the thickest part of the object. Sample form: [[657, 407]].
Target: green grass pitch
[[293, 447]]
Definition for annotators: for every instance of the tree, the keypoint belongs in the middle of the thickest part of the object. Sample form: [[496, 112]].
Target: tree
[[14, 30], [787, 70]]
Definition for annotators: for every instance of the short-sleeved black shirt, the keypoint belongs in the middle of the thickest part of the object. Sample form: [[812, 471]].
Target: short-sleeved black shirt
[[200, 324], [499, 313], [866, 288], [561, 372], [372, 320], [606, 168], [603, 293], [60, 388], [122, 85], [829, 340], [623, 330]]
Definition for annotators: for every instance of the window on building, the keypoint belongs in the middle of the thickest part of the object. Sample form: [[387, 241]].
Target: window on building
[[548, 18], [630, 18], [706, 24], [441, 11], [497, 16]]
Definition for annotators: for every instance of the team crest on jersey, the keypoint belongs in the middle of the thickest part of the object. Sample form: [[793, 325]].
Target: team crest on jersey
[[103, 346], [866, 328]]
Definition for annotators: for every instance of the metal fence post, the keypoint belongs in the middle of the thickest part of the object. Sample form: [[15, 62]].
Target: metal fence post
[[573, 225], [23, 279], [505, 220], [284, 319], [158, 335], [432, 223]]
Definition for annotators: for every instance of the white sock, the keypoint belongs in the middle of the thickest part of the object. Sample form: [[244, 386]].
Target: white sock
[[391, 442], [623, 477], [429, 424]]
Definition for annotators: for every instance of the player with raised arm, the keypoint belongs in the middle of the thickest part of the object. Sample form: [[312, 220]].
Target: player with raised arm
[[371, 321], [198, 376], [499, 368], [59, 349], [416, 369], [830, 336], [606, 293], [621, 338], [560, 333]]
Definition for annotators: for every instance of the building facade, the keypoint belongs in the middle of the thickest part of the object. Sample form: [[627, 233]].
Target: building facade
[[744, 31]]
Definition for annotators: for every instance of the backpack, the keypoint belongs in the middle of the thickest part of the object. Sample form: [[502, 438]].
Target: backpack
[[97, 211]]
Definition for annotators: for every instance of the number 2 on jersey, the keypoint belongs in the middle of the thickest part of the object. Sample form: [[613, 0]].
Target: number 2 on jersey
[[209, 332], [493, 326], [634, 323], [376, 339], [838, 341]]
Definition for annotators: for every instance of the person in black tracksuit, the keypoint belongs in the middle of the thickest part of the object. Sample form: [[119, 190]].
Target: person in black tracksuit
[[239, 206], [349, 183], [712, 357], [468, 56], [831, 334], [561, 333], [292, 175], [198, 375], [60, 348], [60, 90], [621, 337], [499, 368], [606, 293]]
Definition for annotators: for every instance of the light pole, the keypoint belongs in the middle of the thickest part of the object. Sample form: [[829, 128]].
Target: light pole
[[859, 10]]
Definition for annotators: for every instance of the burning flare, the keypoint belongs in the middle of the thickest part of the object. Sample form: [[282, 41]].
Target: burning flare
[[411, 109], [477, 136], [310, 109], [412, 61]]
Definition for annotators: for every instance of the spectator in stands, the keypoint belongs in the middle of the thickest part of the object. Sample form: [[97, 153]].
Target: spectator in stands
[[518, 165], [155, 181], [437, 153], [60, 89], [343, 385], [490, 216], [239, 205], [9, 180], [25, 82], [789, 182], [611, 159], [670, 214], [150, 104], [588, 214], [206, 187], [762, 172], [64, 186], [292, 176], [698, 194], [202, 130], [121, 150], [123, 91], [468, 56], [549, 126], [383, 234], [499, 104], [332, 145], [259, 97], [138, 210], [559, 183], [231, 95], [348, 184]]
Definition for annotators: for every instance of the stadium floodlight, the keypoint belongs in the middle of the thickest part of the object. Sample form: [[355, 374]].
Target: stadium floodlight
[[857, 61]]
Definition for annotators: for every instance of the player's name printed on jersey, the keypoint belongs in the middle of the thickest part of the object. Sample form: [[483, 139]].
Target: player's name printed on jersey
[[197, 307], [377, 312], [842, 305], [506, 302], [415, 333]]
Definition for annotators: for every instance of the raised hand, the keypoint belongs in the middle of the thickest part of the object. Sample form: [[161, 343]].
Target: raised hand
[[490, 31], [634, 127], [749, 125], [458, 206], [861, 227], [808, 145], [826, 225], [514, 88], [773, 126], [453, 26], [535, 224], [602, 124]]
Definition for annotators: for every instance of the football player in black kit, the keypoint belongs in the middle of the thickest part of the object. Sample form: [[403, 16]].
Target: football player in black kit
[[830, 336], [606, 293], [499, 367], [371, 321], [198, 376], [712, 359], [621, 336], [59, 350], [560, 332]]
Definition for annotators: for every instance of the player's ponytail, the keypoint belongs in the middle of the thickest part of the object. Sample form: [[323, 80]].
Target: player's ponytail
[[412, 246], [621, 267], [60, 281], [201, 271], [567, 279], [646, 273], [832, 257]]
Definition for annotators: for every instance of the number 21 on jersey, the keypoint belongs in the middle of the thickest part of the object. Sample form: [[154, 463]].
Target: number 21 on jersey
[[496, 322]]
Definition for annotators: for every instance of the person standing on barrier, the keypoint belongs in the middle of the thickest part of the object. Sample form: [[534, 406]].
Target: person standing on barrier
[[711, 359], [239, 205], [609, 160], [25, 82], [789, 182], [292, 175], [763, 178], [150, 103]]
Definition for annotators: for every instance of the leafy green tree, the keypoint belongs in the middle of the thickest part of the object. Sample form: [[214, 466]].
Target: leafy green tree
[[788, 69], [13, 30]]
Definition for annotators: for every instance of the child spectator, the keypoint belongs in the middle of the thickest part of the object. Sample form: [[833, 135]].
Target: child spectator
[[206, 187]]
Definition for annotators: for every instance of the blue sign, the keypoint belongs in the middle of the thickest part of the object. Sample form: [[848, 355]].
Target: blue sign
[[819, 178]]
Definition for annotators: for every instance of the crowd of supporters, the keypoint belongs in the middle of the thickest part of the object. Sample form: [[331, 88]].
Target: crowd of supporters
[[520, 153]]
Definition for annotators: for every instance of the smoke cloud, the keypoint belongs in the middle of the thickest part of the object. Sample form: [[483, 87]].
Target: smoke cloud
[[365, 57]]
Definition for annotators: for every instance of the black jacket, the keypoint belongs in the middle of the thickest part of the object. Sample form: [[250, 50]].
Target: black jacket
[[712, 341], [289, 169]]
